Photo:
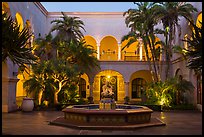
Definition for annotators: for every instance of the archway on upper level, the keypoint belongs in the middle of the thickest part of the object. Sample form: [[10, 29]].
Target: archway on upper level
[[133, 52], [91, 41], [115, 79], [6, 8], [157, 47], [5, 69], [199, 19], [109, 48], [19, 20]]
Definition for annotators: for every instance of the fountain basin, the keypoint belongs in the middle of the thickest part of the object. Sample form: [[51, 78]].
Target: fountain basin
[[122, 114]]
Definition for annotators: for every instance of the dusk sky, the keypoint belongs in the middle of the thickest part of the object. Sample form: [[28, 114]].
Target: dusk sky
[[88, 6]]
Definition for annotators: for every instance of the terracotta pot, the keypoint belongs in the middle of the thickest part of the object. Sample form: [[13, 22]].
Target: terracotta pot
[[27, 104]]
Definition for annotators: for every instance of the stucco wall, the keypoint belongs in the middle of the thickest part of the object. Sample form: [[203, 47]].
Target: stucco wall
[[98, 24]]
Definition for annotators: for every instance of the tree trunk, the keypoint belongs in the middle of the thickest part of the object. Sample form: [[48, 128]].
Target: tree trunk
[[40, 97], [148, 59], [56, 98]]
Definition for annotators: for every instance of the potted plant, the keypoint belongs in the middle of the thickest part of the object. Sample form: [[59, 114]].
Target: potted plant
[[27, 104]]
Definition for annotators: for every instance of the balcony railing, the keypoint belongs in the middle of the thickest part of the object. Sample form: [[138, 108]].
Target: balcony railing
[[133, 58]]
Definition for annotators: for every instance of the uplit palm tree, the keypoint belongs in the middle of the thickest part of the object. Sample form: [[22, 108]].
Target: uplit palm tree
[[68, 28], [169, 13], [38, 81], [14, 43], [142, 21], [193, 54]]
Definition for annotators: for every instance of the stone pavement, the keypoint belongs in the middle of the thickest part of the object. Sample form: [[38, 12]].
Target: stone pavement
[[185, 122]]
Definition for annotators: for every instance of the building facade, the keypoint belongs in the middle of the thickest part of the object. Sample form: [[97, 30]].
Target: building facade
[[127, 69]]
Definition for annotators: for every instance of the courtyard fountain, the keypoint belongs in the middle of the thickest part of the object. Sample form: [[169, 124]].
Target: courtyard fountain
[[107, 114]]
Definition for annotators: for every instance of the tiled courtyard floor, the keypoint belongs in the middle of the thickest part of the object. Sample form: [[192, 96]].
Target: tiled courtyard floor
[[37, 123]]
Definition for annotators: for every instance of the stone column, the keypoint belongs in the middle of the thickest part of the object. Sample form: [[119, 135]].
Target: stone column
[[141, 52], [91, 89], [9, 94], [127, 89], [98, 51], [140, 48], [119, 51]]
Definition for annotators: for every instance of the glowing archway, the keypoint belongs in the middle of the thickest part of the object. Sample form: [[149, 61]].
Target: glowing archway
[[91, 41], [5, 8], [158, 47], [199, 19], [19, 20], [141, 77], [109, 48], [115, 78], [86, 88], [132, 52]]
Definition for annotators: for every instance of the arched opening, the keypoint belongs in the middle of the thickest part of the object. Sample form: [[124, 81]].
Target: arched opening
[[131, 53], [178, 95], [109, 48], [5, 8], [115, 79], [199, 19], [19, 20], [137, 86], [82, 88], [158, 49], [91, 41]]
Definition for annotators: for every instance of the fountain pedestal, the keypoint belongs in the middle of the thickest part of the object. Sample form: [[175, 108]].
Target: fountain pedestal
[[107, 104]]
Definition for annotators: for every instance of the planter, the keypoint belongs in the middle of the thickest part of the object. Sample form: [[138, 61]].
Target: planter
[[27, 104]]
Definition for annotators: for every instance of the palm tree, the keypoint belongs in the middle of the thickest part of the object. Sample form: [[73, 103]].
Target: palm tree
[[68, 28], [38, 81], [194, 52], [82, 55], [14, 43], [142, 22], [169, 13], [44, 47], [79, 54]]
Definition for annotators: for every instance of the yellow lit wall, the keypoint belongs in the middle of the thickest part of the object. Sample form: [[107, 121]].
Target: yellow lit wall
[[199, 18], [5, 8], [130, 51], [145, 74], [19, 20], [108, 48], [85, 77], [120, 85], [20, 91], [91, 41]]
